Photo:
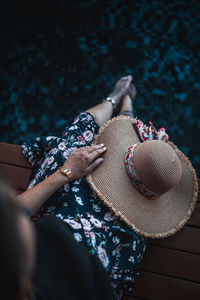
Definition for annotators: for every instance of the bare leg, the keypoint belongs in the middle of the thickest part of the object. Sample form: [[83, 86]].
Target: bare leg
[[104, 111], [128, 102], [127, 107]]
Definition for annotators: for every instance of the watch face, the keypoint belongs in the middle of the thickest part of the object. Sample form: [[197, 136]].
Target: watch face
[[67, 173]]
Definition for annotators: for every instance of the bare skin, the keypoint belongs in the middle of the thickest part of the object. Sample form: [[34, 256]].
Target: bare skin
[[132, 92], [81, 162], [28, 237], [129, 99], [84, 160], [104, 111]]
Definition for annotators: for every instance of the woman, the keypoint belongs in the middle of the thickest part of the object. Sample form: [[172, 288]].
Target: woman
[[58, 188]]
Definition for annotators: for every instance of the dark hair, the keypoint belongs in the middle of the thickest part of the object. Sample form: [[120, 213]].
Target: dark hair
[[11, 246]]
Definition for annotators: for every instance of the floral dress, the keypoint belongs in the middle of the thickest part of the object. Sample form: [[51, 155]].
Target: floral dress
[[119, 249]]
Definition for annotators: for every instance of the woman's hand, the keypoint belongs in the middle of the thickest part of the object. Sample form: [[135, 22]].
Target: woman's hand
[[84, 160], [81, 162]]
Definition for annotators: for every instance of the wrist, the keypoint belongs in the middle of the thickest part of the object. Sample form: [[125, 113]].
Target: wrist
[[66, 172], [60, 178]]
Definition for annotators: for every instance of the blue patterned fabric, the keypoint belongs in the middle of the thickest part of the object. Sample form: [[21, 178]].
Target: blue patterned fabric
[[119, 249]]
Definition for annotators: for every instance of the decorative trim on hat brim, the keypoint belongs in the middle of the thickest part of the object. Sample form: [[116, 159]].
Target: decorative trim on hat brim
[[120, 215]]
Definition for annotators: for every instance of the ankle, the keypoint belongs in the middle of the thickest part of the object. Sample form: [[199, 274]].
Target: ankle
[[127, 113]]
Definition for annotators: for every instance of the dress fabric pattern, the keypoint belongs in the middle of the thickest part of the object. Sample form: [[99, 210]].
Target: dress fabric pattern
[[119, 249]]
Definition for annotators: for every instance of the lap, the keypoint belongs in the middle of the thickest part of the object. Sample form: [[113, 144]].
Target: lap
[[78, 134]]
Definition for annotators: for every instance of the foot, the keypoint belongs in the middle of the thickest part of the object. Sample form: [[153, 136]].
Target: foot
[[129, 99], [121, 88], [132, 92]]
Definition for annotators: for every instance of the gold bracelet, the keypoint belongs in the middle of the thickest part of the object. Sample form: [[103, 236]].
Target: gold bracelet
[[67, 172]]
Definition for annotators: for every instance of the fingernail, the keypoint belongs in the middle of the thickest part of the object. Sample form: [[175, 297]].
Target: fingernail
[[104, 148], [102, 145]]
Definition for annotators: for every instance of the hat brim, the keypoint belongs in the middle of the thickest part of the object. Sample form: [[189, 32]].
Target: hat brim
[[157, 218]]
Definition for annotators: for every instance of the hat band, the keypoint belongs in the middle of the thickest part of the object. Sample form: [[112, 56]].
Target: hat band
[[130, 167], [152, 134]]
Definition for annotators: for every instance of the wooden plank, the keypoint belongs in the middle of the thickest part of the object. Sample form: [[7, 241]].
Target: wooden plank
[[172, 263], [12, 154], [158, 258], [187, 239], [17, 177], [195, 218], [152, 286]]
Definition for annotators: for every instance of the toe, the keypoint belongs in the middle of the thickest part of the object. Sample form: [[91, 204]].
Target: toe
[[129, 77]]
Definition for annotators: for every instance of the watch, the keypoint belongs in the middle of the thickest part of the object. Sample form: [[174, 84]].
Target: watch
[[67, 172]]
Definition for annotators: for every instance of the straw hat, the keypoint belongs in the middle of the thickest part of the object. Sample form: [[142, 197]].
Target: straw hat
[[150, 185]]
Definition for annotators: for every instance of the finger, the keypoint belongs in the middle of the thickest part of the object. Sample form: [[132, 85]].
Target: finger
[[95, 164], [96, 153], [95, 147]]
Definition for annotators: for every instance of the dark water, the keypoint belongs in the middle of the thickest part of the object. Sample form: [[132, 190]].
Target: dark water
[[58, 60]]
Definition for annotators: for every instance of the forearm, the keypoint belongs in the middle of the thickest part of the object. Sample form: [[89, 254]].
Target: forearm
[[80, 162], [34, 198]]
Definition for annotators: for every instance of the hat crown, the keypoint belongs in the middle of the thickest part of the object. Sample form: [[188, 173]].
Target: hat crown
[[157, 165]]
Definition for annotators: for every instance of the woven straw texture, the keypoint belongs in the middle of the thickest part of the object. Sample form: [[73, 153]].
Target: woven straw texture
[[157, 165], [157, 218]]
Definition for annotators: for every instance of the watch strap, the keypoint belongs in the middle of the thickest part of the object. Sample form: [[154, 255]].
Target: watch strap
[[67, 172]]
